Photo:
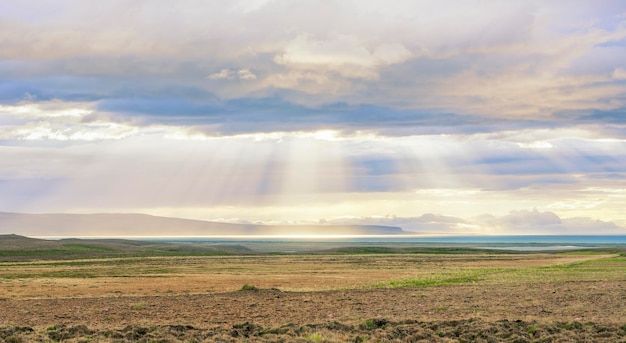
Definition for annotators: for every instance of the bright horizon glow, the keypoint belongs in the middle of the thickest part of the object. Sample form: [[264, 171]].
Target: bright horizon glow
[[240, 238], [461, 117]]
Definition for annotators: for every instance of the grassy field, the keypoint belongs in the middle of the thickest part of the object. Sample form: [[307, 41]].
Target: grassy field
[[312, 272], [116, 292]]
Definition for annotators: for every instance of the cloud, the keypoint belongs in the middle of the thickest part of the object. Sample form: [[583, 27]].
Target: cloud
[[222, 74], [59, 121], [521, 94], [619, 73], [245, 74], [426, 223], [242, 74], [339, 51], [520, 222], [255, 115], [537, 222], [352, 107], [342, 55], [517, 59], [606, 117]]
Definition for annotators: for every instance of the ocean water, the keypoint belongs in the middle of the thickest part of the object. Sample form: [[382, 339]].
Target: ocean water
[[300, 244]]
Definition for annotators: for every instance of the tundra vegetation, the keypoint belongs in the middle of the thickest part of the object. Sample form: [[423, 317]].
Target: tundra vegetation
[[81, 291]]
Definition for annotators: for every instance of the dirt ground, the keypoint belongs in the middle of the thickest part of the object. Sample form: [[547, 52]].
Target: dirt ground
[[473, 298], [567, 311]]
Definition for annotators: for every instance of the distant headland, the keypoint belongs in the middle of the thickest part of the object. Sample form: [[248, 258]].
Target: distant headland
[[112, 224]]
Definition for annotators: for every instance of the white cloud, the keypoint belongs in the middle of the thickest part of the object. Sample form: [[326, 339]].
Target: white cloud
[[222, 74], [589, 226], [537, 222], [245, 74], [88, 132], [227, 74], [393, 53], [59, 120], [348, 56], [341, 50], [575, 204], [50, 109], [536, 145]]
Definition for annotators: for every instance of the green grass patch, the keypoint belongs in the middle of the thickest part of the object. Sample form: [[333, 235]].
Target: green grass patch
[[364, 250], [247, 287], [87, 248], [457, 251], [315, 337], [38, 252], [610, 268], [444, 279], [589, 252], [369, 250]]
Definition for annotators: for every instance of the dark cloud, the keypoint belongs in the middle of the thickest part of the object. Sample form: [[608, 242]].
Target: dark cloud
[[245, 115]]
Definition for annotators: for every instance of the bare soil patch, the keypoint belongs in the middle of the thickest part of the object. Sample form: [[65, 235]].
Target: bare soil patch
[[592, 311]]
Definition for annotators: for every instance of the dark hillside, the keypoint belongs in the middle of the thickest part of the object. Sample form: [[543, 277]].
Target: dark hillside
[[19, 248]]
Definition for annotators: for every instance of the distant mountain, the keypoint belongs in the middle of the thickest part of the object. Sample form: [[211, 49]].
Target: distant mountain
[[110, 224]]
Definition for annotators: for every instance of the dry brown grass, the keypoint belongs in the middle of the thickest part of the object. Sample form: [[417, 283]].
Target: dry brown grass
[[310, 298], [184, 275]]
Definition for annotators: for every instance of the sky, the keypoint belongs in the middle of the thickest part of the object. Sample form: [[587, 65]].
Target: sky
[[485, 117]]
